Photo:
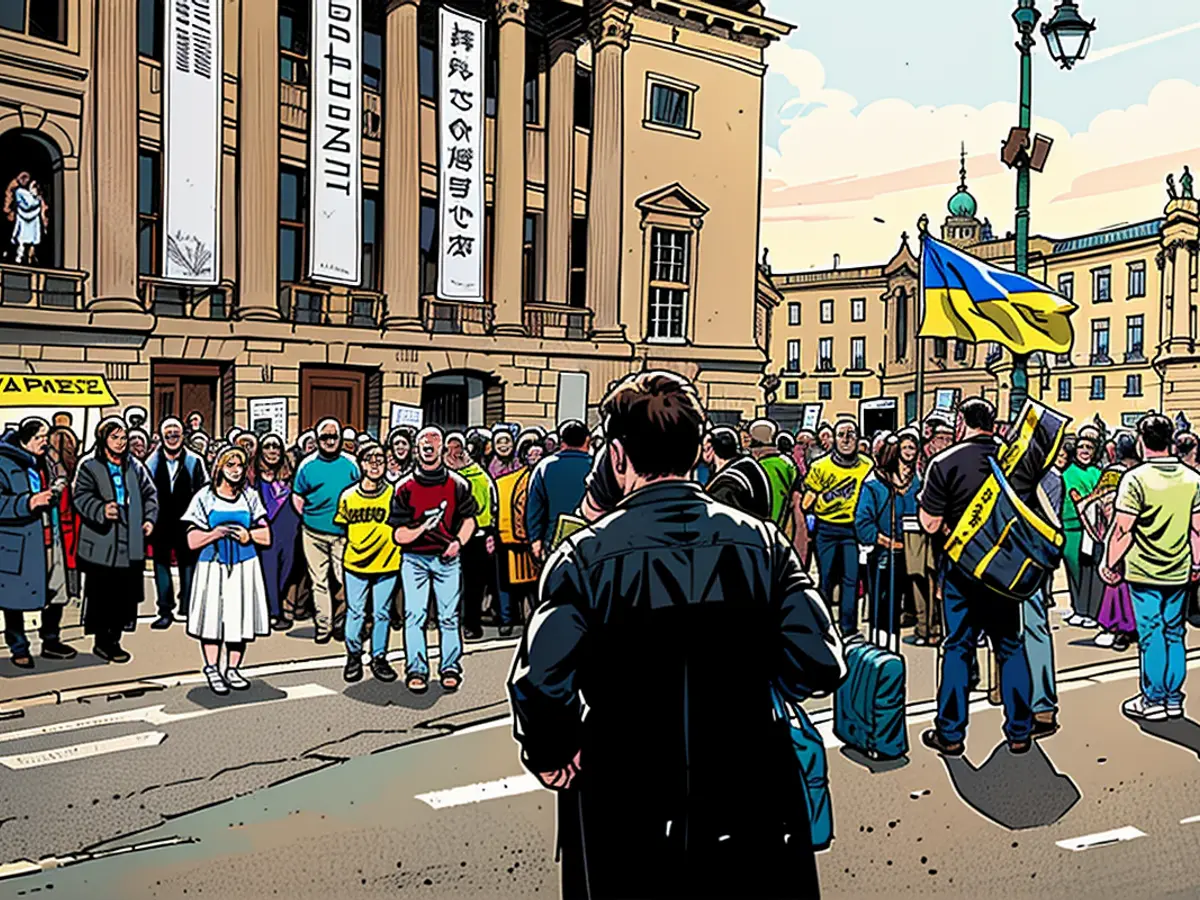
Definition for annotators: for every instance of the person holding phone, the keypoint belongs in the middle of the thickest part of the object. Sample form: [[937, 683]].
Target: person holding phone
[[227, 523]]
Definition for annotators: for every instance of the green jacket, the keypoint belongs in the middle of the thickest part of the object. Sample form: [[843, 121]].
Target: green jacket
[[1082, 480]]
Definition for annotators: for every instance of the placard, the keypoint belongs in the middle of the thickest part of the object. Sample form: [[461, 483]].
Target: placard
[[335, 121], [811, 419], [572, 396], [268, 415], [460, 156], [946, 399], [407, 414], [192, 129]]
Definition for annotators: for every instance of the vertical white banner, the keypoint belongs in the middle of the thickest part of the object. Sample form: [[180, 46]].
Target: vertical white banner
[[193, 72], [460, 156], [335, 142]]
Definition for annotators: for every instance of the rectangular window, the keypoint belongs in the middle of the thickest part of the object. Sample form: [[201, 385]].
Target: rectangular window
[[791, 390], [858, 353], [583, 97], [45, 19], [1066, 285], [427, 70], [149, 212], [150, 28], [1133, 385], [960, 351], [856, 390], [372, 60], [1134, 339], [858, 310], [825, 355], [793, 313], [669, 106], [669, 283], [579, 248], [294, 26], [1064, 390], [532, 104], [825, 390], [293, 212], [1100, 341], [939, 348], [429, 255], [902, 326], [793, 356], [491, 62], [529, 259], [826, 312], [1098, 387], [1102, 284], [1137, 279], [370, 237]]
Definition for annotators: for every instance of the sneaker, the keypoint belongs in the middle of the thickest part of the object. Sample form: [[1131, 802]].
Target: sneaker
[[473, 634], [353, 671], [215, 682], [1105, 639], [934, 741], [1074, 619], [281, 623], [163, 622], [57, 650], [381, 670], [1174, 712], [235, 680], [323, 638], [1088, 623], [1138, 708], [1121, 643], [339, 634], [112, 654], [506, 631]]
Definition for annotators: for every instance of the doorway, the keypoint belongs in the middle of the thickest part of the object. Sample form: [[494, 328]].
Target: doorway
[[455, 401], [877, 415], [347, 395], [179, 389]]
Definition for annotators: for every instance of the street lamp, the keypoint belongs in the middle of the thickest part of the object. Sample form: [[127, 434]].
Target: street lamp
[[1067, 38]]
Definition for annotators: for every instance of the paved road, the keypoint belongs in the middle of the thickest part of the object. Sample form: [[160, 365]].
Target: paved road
[[1102, 809]]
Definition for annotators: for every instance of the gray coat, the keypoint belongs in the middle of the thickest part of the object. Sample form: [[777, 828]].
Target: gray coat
[[22, 539], [93, 489]]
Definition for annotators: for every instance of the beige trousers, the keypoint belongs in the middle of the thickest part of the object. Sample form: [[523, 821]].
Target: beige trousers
[[323, 554]]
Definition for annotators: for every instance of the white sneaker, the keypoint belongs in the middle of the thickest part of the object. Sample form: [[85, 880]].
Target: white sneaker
[[1073, 619], [1088, 623], [1174, 712], [1138, 708], [235, 680], [215, 682], [1105, 639]]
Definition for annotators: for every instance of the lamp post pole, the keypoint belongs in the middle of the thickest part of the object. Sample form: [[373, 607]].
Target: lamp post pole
[[1026, 16]]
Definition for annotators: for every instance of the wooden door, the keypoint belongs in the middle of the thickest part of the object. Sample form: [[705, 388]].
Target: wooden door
[[333, 393], [183, 388]]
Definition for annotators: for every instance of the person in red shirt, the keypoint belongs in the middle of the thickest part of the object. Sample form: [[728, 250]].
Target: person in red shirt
[[433, 516]]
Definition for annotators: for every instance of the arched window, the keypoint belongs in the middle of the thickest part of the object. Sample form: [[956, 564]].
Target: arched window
[[31, 169]]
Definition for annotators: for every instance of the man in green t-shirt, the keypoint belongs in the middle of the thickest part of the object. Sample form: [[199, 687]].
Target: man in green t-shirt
[[783, 475], [1156, 536], [479, 572], [1082, 562]]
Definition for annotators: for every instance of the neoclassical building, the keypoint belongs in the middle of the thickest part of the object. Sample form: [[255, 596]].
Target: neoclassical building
[[844, 341], [621, 172]]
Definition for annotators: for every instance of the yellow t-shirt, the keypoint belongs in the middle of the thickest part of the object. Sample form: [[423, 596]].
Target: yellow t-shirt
[[837, 488], [370, 549]]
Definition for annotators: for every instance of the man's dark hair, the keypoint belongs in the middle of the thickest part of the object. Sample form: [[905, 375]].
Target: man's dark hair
[[1157, 432], [574, 434], [785, 443], [978, 414], [658, 418], [29, 428], [1185, 443], [1125, 446], [725, 443]]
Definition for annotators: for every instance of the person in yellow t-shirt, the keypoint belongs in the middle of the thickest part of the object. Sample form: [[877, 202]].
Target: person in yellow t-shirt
[[831, 490], [371, 562]]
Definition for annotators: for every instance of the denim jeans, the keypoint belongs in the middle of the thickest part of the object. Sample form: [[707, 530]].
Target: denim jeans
[[971, 610], [378, 589], [420, 575], [1158, 609], [162, 582], [1039, 649], [14, 628], [837, 565]]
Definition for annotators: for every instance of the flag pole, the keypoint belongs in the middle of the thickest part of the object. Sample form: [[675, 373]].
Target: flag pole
[[922, 233]]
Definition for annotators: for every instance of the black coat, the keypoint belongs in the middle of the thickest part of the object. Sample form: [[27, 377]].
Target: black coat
[[669, 620], [170, 533]]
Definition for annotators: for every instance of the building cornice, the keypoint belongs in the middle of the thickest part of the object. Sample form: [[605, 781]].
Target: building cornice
[[710, 14], [45, 66]]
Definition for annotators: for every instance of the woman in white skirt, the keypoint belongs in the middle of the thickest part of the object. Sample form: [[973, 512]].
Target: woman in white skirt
[[228, 524]]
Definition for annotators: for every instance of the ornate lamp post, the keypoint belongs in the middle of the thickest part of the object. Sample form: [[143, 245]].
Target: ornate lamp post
[[1068, 37]]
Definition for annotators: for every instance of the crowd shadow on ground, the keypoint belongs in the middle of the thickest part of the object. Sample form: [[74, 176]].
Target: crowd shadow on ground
[[43, 665], [1016, 791], [874, 766], [1181, 732]]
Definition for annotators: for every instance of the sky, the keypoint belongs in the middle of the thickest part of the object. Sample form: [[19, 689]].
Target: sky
[[864, 113]]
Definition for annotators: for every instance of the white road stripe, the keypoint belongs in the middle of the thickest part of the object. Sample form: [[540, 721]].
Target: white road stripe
[[82, 751], [1190, 820], [484, 790], [157, 716], [1101, 839]]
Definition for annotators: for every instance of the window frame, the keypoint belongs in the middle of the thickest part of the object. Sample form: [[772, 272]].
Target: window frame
[[65, 27], [577, 285], [827, 312], [824, 390], [1135, 271], [856, 390], [793, 314], [792, 363], [1098, 388], [1135, 352], [654, 285], [858, 309], [1064, 390], [1066, 285], [1098, 273], [858, 342], [666, 82], [152, 219], [791, 390], [289, 55], [1101, 327], [825, 361], [299, 225], [372, 270], [1133, 385], [157, 40], [531, 263]]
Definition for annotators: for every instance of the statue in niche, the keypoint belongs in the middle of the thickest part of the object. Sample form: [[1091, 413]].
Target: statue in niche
[[26, 209]]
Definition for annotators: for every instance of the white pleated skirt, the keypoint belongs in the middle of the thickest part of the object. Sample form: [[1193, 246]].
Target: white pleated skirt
[[228, 603]]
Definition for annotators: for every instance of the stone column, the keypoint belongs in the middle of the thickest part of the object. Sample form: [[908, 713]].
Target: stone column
[[1181, 253], [402, 169], [610, 32], [1179, 243], [258, 151], [116, 123], [508, 238], [560, 169]]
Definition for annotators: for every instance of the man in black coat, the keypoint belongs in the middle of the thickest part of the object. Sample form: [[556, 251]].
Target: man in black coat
[[679, 781]]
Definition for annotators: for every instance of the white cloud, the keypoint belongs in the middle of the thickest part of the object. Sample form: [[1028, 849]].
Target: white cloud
[[838, 168]]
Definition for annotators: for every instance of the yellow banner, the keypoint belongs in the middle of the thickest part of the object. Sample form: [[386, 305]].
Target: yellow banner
[[55, 391]]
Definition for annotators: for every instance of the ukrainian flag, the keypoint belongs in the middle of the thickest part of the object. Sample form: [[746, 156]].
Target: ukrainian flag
[[968, 299]]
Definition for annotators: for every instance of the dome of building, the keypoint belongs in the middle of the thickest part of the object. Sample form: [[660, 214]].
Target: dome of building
[[962, 204]]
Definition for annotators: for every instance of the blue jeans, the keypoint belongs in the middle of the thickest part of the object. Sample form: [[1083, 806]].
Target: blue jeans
[[162, 581], [971, 610], [359, 589], [419, 575], [837, 564], [1039, 649], [1158, 609]]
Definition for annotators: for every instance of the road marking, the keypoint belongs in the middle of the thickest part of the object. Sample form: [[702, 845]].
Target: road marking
[[82, 751], [1190, 820], [1101, 839], [156, 715], [484, 790]]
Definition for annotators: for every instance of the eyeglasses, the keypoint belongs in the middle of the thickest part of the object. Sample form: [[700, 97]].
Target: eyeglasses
[[328, 437]]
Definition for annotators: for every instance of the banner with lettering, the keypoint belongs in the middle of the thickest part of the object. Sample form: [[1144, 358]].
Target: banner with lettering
[[460, 156], [192, 135], [335, 142]]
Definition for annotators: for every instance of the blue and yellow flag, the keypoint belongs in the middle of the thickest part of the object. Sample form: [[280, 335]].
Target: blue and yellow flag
[[968, 299]]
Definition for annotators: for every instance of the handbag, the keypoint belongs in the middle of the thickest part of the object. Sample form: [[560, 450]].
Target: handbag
[[809, 747]]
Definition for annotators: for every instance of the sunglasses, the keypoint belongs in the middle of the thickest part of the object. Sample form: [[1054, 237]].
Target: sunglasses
[[329, 437]]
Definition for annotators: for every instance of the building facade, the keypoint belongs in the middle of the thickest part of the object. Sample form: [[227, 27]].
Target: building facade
[[621, 182], [844, 341]]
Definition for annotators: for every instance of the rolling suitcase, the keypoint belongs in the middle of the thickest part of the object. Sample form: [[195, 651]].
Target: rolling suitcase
[[868, 708]]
